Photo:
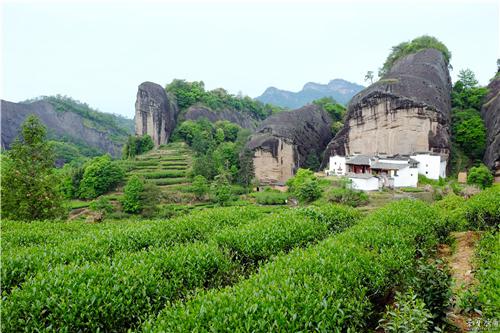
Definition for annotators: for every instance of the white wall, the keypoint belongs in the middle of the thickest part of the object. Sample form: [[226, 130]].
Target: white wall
[[407, 177], [370, 184], [337, 165], [430, 166]]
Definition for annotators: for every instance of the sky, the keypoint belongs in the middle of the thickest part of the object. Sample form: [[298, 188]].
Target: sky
[[98, 52]]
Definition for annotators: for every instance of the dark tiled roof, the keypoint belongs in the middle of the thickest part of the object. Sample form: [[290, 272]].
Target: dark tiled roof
[[358, 160], [389, 166]]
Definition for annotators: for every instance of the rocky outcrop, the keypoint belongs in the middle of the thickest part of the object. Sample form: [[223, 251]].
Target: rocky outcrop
[[155, 113], [240, 119], [406, 111], [491, 115], [61, 124], [284, 141]]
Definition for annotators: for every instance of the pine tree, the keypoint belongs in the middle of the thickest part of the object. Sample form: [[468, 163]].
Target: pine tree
[[30, 190]]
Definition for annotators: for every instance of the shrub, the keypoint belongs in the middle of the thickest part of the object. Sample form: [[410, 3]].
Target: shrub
[[131, 200], [137, 145], [326, 287], [101, 205], [272, 197], [452, 210], [483, 210], [110, 298], [408, 314], [200, 187], [304, 185], [221, 190], [432, 284], [348, 196], [100, 175], [488, 274], [480, 176]]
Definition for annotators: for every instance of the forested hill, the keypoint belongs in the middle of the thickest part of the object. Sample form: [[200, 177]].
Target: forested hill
[[340, 90], [75, 128]]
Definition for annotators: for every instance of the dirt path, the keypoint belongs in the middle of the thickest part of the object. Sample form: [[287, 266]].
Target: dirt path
[[462, 271]]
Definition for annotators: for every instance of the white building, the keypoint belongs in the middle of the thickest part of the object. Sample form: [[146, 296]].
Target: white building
[[430, 165], [372, 172]]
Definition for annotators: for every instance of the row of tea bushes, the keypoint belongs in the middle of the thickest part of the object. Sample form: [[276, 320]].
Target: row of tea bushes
[[488, 275], [112, 296], [332, 286], [116, 294], [18, 265]]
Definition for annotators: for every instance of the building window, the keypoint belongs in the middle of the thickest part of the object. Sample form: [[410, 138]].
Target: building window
[[396, 173], [427, 172]]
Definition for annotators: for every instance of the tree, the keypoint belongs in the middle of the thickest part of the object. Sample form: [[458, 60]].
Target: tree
[[465, 93], [304, 185], [30, 189], [480, 176], [200, 187], [221, 189], [131, 201], [369, 76], [469, 133], [100, 176], [137, 145], [246, 172], [417, 44]]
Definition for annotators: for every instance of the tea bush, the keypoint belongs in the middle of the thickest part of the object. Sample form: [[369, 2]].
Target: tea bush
[[483, 210], [270, 197], [488, 274], [328, 287]]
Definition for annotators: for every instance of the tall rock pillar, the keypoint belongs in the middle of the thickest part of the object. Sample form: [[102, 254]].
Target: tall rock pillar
[[155, 113]]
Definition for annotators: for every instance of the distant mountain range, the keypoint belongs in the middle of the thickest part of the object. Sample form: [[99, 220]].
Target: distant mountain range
[[341, 90]]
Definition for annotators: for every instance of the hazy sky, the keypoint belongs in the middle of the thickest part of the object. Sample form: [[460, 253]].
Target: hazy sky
[[99, 52]]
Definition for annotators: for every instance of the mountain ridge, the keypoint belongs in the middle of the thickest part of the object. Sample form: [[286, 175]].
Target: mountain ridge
[[339, 89]]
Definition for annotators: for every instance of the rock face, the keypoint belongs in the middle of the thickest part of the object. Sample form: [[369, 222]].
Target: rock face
[[60, 124], [406, 111], [491, 115], [155, 113], [341, 90], [241, 119], [283, 142]]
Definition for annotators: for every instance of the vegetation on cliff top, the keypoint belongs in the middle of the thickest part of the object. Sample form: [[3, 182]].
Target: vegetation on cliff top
[[417, 44], [191, 93]]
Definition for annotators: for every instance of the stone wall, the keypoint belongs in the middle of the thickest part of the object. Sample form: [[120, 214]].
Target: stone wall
[[274, 169], [155, 113], [491, 115]]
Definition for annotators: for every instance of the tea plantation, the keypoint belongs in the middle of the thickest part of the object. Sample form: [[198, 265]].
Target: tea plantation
[[324, 268]]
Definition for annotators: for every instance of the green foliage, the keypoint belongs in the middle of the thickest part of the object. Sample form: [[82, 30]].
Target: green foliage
[[488, 274], [191, 93], [469, 132], [304, 185], [101, 205], [483, 210], [408, 314], [137, 146], [131, 195], [466, 94], [200, 187], [103, 297], [335, 110], [452, 209], [348, 196], [431, 283], [312, 162], [89, 243], [221, 190], [270, 197], [480, 176], [326, 287], [246, 172], [405, 48], [30, 190], [100, 175]]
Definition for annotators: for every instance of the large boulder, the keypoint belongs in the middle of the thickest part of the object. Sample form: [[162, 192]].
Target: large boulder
[[62, 124], [155, 113], [241, 119], [491, 115], [284, 142], [406, 111]]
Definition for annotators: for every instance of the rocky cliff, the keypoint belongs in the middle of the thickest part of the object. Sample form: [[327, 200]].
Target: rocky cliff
[[491, 115], [340, 90], [64, 123], [283, 142], [155, 113], [239, 118], [407, 110]]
